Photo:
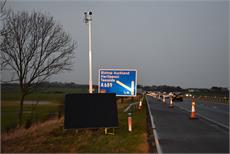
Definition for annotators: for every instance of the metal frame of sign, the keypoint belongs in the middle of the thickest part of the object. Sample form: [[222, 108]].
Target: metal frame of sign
[[135, 86]]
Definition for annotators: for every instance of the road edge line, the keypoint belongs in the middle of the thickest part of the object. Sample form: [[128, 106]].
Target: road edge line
[[156, 138]]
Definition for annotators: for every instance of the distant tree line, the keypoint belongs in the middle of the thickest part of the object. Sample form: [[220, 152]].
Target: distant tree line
[[45, 85], [219, 89], [161, 88], [165, 88]]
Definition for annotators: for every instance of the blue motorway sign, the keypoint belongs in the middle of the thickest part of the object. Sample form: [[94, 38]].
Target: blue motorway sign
[[123, 82]]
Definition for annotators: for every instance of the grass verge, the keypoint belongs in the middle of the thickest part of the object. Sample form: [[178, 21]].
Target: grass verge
[[10, 109], [50, 137]]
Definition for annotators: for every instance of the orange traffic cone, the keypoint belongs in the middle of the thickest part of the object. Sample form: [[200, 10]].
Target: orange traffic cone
[[193, 113], [171, 103]]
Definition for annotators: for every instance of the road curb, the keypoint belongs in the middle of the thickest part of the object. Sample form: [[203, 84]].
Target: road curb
[[156, 138]]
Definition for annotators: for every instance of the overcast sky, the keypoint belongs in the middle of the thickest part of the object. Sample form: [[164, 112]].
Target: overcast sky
[[177, 43]]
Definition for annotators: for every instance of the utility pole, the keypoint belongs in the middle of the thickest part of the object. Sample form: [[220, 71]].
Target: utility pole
[[88, 20]]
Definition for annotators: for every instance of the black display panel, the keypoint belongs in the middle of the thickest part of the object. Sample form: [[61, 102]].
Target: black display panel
[[90, 111]]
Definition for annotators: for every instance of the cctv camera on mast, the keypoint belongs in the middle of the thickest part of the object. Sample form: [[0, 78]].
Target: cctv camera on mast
[[88, 20], [88, 17]]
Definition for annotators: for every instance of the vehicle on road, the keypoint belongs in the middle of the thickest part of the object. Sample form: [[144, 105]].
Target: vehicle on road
[[177, 96]]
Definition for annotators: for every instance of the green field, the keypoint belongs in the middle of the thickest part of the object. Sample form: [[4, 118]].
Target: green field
[[50, 94], [9, 114], [10, 105]]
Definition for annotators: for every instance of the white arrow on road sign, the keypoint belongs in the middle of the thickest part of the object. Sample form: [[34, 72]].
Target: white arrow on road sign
[[126, 87]]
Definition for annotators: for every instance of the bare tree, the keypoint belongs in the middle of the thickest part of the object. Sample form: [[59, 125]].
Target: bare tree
[[34, 47], [2, 8], [2, 5]]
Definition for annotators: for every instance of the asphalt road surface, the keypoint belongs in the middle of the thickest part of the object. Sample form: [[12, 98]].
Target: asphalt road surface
[[178, 134], [217, 112]]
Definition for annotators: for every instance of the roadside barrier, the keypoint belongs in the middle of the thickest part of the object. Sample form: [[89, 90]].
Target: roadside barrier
[[193, 112], [130, 105]]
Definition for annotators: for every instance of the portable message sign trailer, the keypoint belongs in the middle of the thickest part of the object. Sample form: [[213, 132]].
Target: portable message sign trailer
[[90, 111]]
